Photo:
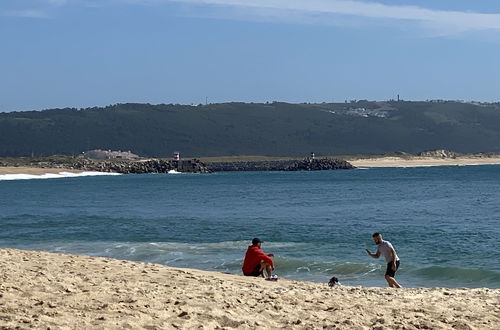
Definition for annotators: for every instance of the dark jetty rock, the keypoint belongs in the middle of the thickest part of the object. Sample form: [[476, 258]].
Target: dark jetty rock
[[320, 165], [124, 166], [141, 166], [281, 165], [128, 166]]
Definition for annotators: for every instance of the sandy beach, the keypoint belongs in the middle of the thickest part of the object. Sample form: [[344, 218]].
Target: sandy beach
[[422, 161], [34, 170], [42, 290]]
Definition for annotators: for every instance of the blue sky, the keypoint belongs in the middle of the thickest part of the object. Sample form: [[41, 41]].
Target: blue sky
[[82, 53]]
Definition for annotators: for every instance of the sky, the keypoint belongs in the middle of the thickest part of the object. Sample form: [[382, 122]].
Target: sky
[[85, 53]]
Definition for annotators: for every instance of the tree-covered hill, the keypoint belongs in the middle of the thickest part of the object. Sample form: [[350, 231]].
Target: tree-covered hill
[[275, 129]]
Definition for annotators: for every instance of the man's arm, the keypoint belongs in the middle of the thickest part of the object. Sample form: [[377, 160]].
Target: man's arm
[[266, 258], [373, 255]]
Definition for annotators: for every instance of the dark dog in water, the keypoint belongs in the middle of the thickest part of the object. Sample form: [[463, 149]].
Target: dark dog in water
[[334, 282]]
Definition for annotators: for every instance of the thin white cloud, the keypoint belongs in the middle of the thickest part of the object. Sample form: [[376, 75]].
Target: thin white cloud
[[338, 12], [57, 2], [32, 8], [440, 20], [30, 13]]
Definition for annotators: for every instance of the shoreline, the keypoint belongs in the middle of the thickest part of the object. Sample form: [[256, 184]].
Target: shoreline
[[41, 289], [34, 170], [359, 162], [422, 161]]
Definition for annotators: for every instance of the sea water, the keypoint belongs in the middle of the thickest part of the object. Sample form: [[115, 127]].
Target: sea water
[[443, 221]]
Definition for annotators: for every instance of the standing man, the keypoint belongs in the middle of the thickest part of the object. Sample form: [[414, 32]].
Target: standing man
[[256, 261], [385, 248]]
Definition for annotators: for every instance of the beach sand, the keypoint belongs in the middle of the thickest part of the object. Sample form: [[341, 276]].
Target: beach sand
[[422, 161], [46, 290], [34, 170]]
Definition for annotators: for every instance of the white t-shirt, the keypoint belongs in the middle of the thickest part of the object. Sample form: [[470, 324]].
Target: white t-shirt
[[385, 248]]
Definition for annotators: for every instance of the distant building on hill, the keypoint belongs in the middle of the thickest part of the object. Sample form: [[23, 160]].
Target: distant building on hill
[[109, 154]]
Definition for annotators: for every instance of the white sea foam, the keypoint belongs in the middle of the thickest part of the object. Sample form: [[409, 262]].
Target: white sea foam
[[10, 177]]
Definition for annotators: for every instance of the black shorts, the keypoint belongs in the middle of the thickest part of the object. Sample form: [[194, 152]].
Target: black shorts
[[389, 270], [256, 272]]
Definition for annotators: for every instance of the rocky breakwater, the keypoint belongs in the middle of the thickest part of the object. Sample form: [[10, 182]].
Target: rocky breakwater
[[127, 166], [307, 164], [124, 166], [141, 166]]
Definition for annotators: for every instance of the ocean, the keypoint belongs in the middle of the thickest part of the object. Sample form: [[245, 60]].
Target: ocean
[[443, 221]]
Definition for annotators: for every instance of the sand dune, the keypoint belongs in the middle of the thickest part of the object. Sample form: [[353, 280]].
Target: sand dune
[[41, 290]]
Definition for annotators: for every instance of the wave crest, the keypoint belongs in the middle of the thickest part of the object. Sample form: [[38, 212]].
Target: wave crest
[[11, 177]]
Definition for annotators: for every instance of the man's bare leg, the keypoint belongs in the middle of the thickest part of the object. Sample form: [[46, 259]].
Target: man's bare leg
[[266, 267], [392, 282]]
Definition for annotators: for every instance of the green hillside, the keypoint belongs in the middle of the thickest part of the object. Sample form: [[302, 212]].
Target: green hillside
[[275, 129]]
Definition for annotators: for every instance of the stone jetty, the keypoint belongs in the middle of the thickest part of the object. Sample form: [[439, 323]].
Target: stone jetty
[[124, 166], [140, 166], [307, 164]]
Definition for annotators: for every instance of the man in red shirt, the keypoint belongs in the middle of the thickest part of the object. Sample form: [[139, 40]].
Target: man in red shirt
[[256, 261]]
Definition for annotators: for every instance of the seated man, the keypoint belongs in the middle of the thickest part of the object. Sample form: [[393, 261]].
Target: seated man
[[256, 261]]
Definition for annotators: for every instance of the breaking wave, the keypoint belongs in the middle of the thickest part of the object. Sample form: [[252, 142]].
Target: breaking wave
[[11, 177]]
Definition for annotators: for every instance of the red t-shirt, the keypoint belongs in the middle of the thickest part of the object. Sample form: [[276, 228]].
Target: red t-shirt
[[253, 257]]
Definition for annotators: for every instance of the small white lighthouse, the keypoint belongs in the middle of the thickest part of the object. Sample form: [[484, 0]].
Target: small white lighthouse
[[176, 155]]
